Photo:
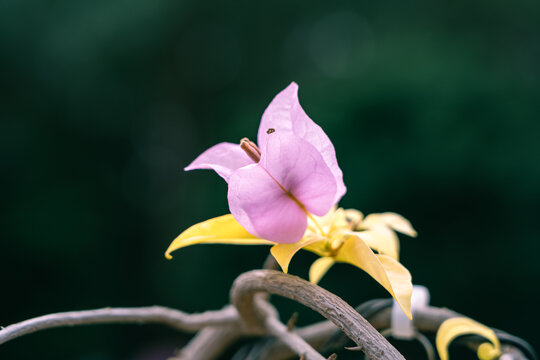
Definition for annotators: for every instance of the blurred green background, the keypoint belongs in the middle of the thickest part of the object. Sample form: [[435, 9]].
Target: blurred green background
[[433, 108]]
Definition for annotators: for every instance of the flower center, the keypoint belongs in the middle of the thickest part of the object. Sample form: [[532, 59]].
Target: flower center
[[251, 149]]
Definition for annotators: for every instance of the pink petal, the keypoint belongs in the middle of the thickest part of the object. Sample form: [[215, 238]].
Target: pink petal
[[285, 115], [259, 204], [300, 169], [224, 158]]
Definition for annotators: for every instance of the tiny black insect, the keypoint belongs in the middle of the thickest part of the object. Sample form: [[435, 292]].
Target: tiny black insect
[[271, 130]]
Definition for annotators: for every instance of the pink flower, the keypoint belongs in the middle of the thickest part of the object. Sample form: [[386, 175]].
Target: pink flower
[[295, 173]]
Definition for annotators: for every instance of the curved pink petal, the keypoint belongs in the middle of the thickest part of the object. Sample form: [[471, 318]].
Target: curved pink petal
[[259, 204], [300, 169], [224, 158], [285, 115]]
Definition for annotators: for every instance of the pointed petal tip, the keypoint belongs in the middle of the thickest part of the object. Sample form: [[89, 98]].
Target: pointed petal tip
[[290, 92], [169, 250], [283, 254], [224, 158], [319, 268], [409, 315], [283, 263]]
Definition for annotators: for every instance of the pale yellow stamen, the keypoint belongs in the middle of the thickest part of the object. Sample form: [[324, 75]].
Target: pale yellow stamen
[[321, 230]]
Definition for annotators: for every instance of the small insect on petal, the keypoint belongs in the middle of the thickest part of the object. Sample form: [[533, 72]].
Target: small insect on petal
[[283, 177]]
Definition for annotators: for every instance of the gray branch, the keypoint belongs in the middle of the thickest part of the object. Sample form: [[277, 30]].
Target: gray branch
[[324, 302], [210, 342], [253, 315], [426, 320], [154, 314]]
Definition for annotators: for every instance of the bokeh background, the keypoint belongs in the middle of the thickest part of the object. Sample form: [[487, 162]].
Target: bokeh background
[[433, 108]]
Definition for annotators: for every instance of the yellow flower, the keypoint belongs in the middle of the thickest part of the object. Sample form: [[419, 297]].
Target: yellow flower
[[369, 243], [455, 327]]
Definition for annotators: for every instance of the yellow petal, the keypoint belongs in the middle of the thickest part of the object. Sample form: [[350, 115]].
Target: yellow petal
[[393, 276], [336, 221], [283, 253], [220, 230], [354, 216], [319, 268], [318, 247], [393, 220], [324, 224], [452, 328], [381, 239], [324, 220]]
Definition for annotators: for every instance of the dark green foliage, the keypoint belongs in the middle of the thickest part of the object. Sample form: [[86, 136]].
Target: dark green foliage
[[433, 108]]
